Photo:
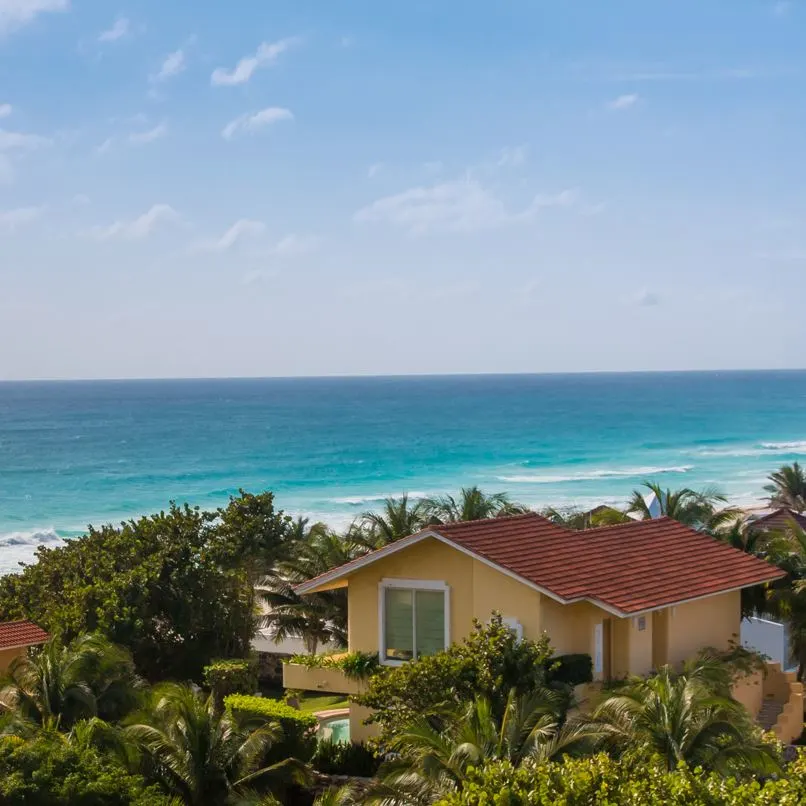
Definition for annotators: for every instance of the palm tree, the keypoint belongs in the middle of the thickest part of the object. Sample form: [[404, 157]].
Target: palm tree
[[787, 488], [688, 717], [318, 618], [201, 755], [579, 520], [472, 505], [699, 510], [399, 518], [432, 760], [64, 684]]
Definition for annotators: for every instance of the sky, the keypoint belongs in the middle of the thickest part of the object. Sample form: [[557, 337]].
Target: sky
[[309, 187]]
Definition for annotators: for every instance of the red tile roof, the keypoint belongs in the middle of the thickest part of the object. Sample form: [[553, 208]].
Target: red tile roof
[[778, 520], [21, 633], [630, 567], [627, 568]]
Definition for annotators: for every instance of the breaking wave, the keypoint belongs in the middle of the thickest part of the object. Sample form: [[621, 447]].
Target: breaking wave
[[358, 500], [761, 449], [36, 538], [593, 475]]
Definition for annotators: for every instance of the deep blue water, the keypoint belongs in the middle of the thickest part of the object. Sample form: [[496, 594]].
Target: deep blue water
[[80, 452]]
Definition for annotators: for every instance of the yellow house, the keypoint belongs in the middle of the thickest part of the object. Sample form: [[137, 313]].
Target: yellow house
[[15, 638], [633, 596]]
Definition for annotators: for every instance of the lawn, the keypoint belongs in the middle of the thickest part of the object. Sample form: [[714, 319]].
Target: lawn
[[310, 703]]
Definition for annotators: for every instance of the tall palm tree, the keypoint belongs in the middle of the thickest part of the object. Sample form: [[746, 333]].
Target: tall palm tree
[[787, 488], [472, 505], [398, 518], [698, 509], [319, 618], [432, 760], [688, 717], [64, 684], [578, 519], [201, 755]]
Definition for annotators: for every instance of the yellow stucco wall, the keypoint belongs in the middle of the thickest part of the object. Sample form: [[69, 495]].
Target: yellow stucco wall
[[8, 655], [570, 627], [707, 622], [476, 590]]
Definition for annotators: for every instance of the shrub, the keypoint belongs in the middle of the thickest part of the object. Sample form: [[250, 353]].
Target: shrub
[[354, 665], [47, 771], [489, 662], [573, 670], [299, 729], [345, 758], [236, 676], [633, 781]]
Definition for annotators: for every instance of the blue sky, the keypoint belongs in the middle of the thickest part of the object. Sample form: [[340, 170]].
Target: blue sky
[[297, 188]]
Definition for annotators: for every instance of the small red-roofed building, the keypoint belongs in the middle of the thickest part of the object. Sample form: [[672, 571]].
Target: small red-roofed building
[[634, 596], [15, 639]]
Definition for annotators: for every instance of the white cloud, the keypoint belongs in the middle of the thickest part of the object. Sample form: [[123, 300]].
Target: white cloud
[[15, 14], [782, 8], [512, 157], [266, 54], [5, 110], [623, 102], [11, 220], [374, 169], [173, 65], [254, 121], [646, 298], [119, 30], [457, 206], [148, 136], [22, 142], [138, 228], [294, 244], [245, 228]]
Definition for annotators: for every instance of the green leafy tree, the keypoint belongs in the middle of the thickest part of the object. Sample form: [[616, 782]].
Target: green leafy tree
[[787, 488], [487, 664], [577, 519], [430, 760], [472, 505], [688, 717], [176, 588], [61, 685], [201, 755]]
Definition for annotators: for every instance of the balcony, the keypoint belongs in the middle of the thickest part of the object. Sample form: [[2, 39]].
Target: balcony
[[319, 678]]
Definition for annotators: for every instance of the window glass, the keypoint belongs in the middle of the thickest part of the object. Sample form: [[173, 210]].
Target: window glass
[[430, 622], [399, 624]]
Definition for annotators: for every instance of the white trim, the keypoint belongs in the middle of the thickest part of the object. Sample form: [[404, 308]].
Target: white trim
[[412, 585], [392, 548]]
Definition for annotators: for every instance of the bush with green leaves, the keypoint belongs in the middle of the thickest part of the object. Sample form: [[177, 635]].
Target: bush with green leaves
[[49, 770], [234, 676], [488, 663], [573, 669], [345, 758], [299, 729], [353, 665], [634, 780]]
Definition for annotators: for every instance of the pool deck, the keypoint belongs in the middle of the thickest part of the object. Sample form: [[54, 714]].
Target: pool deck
[[321, 715]]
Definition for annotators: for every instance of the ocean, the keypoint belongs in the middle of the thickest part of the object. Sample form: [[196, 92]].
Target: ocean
[[73, 453]]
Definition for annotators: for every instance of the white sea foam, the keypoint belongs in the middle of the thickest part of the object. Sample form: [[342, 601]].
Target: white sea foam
[[20, 547], [594, 475], [35, 538], [761, 449], [358, 500]]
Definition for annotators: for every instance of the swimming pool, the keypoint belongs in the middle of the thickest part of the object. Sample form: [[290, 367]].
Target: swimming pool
[[334, 729]]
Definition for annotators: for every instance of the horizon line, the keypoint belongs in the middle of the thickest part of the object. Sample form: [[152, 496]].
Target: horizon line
[[401, 375]]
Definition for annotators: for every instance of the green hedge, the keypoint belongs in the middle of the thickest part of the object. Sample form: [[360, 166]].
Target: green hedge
[[354, 665], [236, 676], [299, 729], [573, 669], [633, 781]]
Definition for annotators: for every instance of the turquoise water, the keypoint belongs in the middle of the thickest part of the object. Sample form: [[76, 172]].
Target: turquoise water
[[335, 730], [75, 453]]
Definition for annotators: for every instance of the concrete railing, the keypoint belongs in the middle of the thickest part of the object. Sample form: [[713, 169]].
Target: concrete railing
[[784, 688]]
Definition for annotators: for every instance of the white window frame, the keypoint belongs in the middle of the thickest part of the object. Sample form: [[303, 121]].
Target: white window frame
[[412, 585]]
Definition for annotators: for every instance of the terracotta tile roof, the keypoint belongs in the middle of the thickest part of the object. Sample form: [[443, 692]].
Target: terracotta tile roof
[[21, 633], [627, 568], [779, 519], [630, 567]]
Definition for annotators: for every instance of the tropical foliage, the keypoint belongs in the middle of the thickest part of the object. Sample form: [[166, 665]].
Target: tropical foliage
[[787, 487], [472, 505], [700, 510]]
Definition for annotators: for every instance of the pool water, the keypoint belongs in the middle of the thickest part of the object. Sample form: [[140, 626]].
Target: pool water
[[336, 729]]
